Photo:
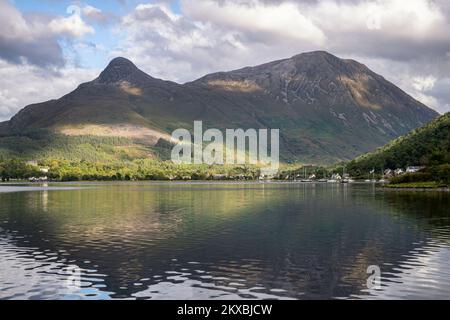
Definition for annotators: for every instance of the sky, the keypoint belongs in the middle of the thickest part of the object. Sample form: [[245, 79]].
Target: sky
[[49, 47]]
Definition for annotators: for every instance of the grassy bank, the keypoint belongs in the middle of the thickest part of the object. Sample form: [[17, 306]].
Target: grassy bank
[[418, 185]]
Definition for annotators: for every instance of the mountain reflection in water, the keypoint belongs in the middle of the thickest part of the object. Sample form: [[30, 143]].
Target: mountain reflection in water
[[222, 241]]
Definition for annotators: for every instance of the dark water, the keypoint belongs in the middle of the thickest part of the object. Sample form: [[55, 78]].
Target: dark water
[[222, 241]]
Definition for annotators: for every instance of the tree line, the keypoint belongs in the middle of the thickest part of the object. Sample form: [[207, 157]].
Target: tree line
[[143, 169]]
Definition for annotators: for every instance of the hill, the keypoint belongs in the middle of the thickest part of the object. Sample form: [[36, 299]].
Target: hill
[[426, 146], [328, 109]]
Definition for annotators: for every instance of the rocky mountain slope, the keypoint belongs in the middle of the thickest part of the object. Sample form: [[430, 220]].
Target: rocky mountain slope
[[327, 109]]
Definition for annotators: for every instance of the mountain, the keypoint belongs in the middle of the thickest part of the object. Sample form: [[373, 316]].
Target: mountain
[[327, 109], [426, 146]]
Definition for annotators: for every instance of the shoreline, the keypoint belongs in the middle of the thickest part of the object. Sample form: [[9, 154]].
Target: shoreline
[[416, 188], [380, 186]]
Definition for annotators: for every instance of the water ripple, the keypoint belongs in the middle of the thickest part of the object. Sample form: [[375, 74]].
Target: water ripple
[[222, 241]]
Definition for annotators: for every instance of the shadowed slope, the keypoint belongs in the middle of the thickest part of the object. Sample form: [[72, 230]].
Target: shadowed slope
[[328, 109]]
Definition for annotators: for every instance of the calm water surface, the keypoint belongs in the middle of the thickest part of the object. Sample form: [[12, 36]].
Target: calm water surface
[[222, 241]]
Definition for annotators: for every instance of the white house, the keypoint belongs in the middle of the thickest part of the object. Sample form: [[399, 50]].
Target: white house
[[413, 169], [336, 176]]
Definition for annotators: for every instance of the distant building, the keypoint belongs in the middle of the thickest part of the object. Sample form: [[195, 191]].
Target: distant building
[[399, 172], [266, 177], [43, 170], [40, 179], [413, 169], [388, 172], [336, 176], [35, 164]]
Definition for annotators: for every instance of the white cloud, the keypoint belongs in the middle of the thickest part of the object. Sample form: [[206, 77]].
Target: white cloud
[[34, 38], [89, 10], [95, 15], [27, 38], [415, 79], [412, 20], [441, 93], [172, 46], [30, 84], [424, 83], [284, 21], [405, 42], [33, 67], [181, 48], [73, 25]]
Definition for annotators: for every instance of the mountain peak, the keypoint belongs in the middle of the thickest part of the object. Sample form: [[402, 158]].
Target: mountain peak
[[118, 69], [282, 77], [328, 108], [120, 61], [320, 58], [317, 53]]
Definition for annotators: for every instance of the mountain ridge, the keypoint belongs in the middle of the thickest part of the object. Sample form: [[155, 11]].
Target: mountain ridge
[[328, 108]]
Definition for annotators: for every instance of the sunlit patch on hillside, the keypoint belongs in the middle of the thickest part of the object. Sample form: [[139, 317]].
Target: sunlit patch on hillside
[[142, 134], [360, 91], [126, 87], [234, 85]]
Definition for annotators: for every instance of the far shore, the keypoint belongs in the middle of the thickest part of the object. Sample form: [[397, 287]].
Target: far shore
[[417, 189], [26, 182], [418, 186]]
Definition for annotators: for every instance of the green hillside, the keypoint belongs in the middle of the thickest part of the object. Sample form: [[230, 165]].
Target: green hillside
[[44, 144], [427, 146], [327, 109]]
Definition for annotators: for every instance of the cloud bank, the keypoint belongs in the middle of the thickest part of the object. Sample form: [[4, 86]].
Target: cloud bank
[[405, 41]]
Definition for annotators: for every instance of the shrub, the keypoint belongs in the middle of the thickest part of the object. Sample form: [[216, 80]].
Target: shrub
[[412, 177]]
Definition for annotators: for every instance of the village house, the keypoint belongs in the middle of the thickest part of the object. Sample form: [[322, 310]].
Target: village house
[[413, 169], [388, 173], [336, 176], [43, 170]]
